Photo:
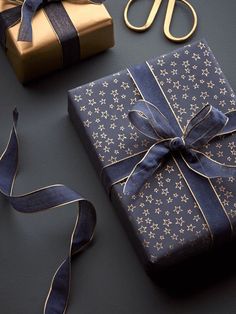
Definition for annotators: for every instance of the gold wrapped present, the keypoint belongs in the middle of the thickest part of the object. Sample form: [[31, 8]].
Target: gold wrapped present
[[91, 23]]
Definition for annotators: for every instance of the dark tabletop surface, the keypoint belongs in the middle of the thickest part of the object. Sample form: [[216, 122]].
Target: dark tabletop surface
[[108, 277]]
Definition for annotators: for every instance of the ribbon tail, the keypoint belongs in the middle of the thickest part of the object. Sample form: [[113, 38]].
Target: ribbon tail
[[207, 167], [152, 160], [58, 295], [9, 160], [28, 10], [119, 171], [231, 124], [43, 199]]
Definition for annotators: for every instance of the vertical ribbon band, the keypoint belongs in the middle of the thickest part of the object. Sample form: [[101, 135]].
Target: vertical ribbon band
[[66, 32], [154, 118], [44, 199], [201, 188]]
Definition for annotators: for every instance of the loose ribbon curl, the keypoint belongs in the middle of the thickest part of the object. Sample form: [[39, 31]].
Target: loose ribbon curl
[[206, 125], [43, 199]]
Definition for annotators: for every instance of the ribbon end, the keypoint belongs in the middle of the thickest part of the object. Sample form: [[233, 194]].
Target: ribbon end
[[131, 188], [125, 192], [15, 115], [24, 37], [25, 31]]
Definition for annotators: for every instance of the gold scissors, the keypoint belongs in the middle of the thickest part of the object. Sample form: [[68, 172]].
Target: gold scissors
[[168, 18]]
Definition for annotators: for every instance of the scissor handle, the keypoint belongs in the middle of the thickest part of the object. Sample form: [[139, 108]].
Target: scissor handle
[[149, 20], [168, 18]]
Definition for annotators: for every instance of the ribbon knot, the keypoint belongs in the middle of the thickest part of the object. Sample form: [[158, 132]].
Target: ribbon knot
[[29, 9], [206, 125], [177, 144]]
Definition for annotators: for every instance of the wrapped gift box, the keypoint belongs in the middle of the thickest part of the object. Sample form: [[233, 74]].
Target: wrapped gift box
[[90, 23], [164, 219]]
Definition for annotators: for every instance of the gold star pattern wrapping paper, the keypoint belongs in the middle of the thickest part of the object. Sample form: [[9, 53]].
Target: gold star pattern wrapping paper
[[163, 219]]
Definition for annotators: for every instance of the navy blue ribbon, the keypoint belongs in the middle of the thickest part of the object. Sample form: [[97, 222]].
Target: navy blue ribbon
[[28, 11], [154, 118], [202, 128], [44, 199]]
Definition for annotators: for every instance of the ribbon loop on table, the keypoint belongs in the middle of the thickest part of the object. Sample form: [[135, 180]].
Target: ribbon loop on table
[[43, 199], [204, 126]]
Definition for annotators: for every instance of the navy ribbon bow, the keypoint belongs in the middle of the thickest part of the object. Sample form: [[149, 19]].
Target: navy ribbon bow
[[207, 124], [28, 10], [25, 11], [43, 199]]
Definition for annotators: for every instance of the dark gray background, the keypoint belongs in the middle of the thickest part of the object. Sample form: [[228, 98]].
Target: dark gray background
[[108, 277]]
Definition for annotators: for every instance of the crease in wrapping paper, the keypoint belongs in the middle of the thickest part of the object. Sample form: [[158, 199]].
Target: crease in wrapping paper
[[30, 60]]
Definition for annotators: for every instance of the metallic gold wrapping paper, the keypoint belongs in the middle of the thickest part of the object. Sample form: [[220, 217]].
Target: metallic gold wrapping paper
[[31, 60]]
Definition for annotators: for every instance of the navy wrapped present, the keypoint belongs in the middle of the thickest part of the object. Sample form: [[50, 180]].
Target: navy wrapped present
[[162, 137]]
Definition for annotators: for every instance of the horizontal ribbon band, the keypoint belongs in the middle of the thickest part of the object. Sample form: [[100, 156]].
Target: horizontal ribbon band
[[58, 17], [153, 117], [44, 199]]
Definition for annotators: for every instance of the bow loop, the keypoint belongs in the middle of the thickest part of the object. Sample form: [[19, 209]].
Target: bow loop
[[150, 121], [204, 126], [230, 126]]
